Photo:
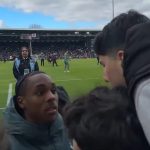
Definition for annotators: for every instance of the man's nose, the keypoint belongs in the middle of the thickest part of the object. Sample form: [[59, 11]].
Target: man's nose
[[105, 78], [50, 95]]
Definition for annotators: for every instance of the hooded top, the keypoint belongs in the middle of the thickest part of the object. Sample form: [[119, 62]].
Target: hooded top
[[29, 136], [136, 63], [136, 67]]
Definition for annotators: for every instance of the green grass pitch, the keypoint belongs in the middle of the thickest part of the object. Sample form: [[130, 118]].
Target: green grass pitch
[[84, 75]]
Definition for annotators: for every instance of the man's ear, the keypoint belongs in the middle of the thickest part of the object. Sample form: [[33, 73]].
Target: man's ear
[[21, 102], [120, 55]]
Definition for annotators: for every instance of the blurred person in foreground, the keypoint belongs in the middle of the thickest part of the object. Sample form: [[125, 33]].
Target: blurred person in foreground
[[112, 48], [31, 119], [104, 119], [24, 64]]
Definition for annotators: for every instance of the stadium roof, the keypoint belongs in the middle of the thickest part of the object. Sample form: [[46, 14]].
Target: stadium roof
[[45, 29], [39, 35]]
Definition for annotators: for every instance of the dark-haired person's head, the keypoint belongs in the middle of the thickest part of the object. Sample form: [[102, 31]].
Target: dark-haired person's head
[[63, 99], [25, 52], [110, 43], [36, 98], [104, 120]]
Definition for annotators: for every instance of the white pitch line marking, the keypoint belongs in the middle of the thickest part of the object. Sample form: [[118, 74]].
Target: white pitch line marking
[[76, 79], [9, 93]]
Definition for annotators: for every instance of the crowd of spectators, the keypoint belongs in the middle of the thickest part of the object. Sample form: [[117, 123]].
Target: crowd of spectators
[[78, 53]]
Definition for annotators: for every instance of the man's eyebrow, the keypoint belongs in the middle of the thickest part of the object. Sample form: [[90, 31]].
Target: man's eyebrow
[[43, 85], [40, 85]]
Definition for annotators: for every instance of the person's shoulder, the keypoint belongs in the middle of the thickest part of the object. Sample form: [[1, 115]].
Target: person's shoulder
[[32, 59], [16, 59]]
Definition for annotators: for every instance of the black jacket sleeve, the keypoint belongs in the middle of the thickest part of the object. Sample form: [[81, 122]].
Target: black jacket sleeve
[[15, 72], [136, 64]]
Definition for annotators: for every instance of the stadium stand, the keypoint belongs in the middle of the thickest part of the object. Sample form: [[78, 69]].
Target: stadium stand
[[45, 40]]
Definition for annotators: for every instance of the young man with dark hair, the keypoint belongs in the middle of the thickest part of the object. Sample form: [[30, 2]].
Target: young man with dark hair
[[109, 45], [31, 119], [104, 120]]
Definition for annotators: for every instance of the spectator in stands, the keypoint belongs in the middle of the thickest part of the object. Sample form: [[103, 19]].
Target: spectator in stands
[[4, 141], [42, 57], [104, 120], [137, 71], [32, 119], [24, 64], [109, 45], [66, 62]]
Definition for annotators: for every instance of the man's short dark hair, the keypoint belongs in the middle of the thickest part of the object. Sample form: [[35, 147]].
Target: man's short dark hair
[[104, 119], [112, 37]]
